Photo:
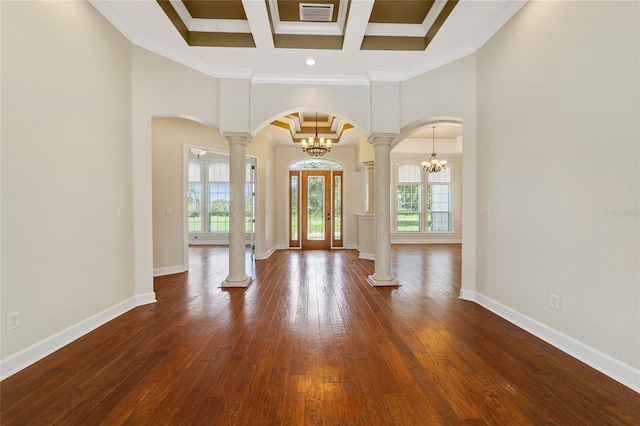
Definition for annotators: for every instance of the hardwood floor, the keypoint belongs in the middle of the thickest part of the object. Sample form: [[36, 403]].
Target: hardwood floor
[[310, 342]]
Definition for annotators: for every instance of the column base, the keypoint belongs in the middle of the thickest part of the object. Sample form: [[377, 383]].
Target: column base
[[242, 283], [389, 281]]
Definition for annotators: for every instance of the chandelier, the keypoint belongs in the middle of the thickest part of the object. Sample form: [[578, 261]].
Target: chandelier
[[316, 147], [198, 151], [434, 165]]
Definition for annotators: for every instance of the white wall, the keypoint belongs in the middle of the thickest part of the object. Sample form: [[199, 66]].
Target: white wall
[[66, 172], [558, 164]]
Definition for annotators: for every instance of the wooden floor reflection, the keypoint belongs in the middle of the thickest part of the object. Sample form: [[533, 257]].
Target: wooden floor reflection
[[310, 342]]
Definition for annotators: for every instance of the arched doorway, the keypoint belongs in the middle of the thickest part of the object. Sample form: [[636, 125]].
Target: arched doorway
[[315, 204]]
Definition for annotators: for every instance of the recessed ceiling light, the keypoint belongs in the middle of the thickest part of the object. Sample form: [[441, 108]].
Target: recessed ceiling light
[[311, 61]]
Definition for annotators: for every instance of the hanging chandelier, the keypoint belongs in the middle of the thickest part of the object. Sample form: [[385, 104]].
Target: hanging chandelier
[[198, 151], [316, 147], [434, 165]]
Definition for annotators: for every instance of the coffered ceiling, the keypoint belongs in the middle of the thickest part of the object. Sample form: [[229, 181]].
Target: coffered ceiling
[[348, 41], [270, 41]]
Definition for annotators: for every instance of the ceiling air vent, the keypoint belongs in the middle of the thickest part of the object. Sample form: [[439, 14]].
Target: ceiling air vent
[[316, 12]]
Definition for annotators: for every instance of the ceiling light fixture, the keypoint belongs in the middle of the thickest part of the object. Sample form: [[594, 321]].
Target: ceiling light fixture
[[198, 151], [311, 61], [316, 147], [434, 165]]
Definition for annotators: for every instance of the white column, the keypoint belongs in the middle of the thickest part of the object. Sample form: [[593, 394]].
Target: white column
[[237, 176], [382, 201]]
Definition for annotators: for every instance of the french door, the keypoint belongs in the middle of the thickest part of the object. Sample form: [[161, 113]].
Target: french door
[[315, 209]]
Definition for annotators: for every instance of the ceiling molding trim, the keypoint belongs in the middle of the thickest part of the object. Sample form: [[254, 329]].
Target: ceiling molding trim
[[357, 24], [311, 28], [219, 25], [432, 15], [298, 79], [275, 13], [456, 54], [395, 30], [507, 13], [182, 12]]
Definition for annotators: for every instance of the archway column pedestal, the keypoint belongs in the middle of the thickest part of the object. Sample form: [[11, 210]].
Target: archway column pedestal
[[237, 240], [382, 222]]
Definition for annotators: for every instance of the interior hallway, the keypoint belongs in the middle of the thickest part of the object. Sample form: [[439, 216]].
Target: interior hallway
[[310, 342]]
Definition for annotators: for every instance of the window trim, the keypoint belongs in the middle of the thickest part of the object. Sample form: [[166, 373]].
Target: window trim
[[424, 210]]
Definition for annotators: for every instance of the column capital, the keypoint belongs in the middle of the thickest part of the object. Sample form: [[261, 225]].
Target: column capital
[[238, 137], [381, 138]]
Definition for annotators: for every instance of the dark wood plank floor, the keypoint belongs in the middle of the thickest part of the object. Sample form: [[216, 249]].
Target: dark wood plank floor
[[310, 342]]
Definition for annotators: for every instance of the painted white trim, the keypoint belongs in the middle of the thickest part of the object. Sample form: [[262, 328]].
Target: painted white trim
[[30, 355], [145, 299], [606, 364], [158, 272], [367, 256], [425, 241], [266, 255]]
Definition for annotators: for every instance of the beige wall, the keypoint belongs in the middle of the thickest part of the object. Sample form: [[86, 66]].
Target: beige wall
[[170, 136], [449, 92], [558, 164], [160, 88], [66, 168]]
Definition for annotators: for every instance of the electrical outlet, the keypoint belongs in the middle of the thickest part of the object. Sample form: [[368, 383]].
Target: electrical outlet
[[555, 302], [13, 320]]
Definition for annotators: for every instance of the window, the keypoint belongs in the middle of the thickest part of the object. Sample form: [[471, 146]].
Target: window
[[208, 194], [408, 192], [423, 200], [194, 196], [439, 201]]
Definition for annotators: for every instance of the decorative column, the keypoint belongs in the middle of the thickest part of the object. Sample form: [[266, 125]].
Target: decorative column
[[369, 165], [382, 200], [237, 240]]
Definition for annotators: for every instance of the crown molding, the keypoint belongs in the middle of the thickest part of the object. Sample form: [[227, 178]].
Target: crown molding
[[303, 79]]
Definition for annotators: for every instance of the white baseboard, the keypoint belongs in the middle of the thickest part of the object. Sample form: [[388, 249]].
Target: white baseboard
[[367, 256], [24, 358], [423, 241], [606, 364], [266, 255], [145, 299], [158, 272]]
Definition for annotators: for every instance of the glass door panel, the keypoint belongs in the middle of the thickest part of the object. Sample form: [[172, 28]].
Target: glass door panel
[[316, 217], [315, 207]]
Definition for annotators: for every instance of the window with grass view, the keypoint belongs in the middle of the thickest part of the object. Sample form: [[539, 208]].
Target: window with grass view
[[423, 200], [408, 198], [208, 194]]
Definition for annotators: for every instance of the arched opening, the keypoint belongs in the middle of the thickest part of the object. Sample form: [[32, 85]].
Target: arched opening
[[427, 206]]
